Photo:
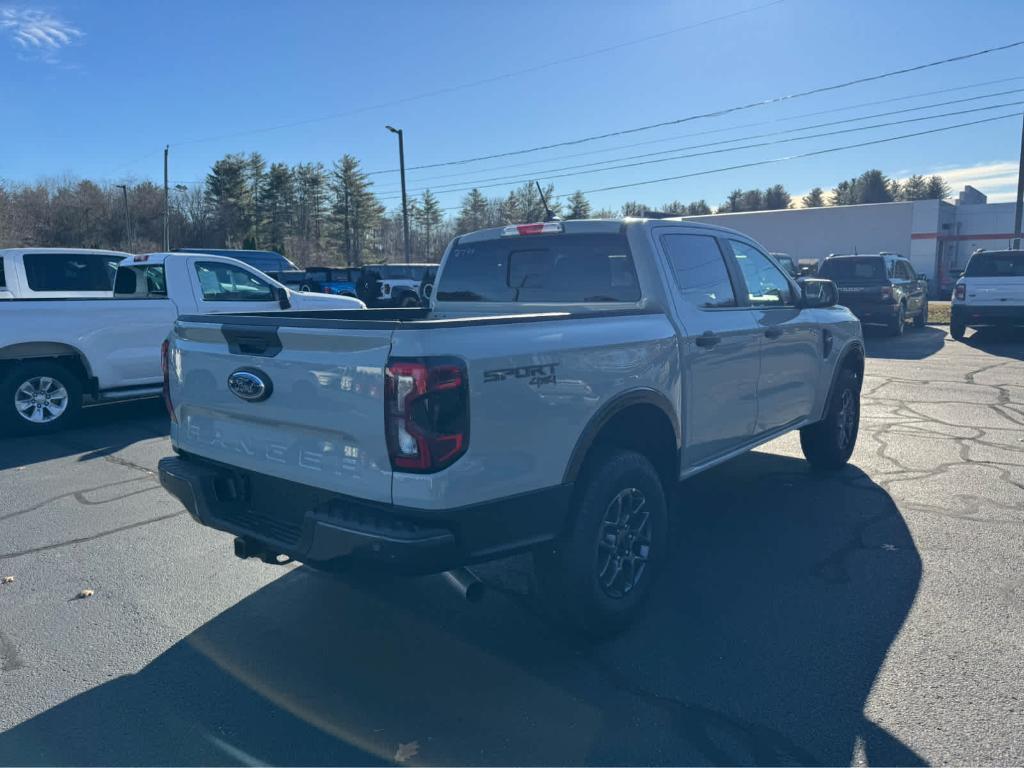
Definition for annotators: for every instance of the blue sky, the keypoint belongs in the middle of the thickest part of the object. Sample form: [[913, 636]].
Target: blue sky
[[95, 90]]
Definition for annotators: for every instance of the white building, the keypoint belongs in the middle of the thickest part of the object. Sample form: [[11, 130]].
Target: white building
[[937, 236]]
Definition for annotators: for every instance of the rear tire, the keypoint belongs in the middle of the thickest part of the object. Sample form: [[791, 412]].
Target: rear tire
[[921, 318], [957, 330], [829, 444], [597, 576], [39, 397], [898, 323]]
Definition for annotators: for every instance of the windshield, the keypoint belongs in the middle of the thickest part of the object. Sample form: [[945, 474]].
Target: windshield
[[996, 264], [853, 268], [541, 268]]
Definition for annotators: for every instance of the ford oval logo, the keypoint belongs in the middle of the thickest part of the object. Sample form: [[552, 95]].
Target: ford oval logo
[[250, 384]]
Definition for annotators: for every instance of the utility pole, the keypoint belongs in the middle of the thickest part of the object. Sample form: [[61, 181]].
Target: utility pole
[[405, 203], [167, 204], [1020, 192], [127, 218]]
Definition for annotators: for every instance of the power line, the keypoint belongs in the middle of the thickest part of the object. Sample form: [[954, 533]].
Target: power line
[[484, 81], [542, 173], [797, 157], [718, 112], [756, 145], [711, 131]]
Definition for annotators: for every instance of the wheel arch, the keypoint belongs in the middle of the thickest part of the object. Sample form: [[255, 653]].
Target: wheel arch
[[48, 350], [641, 419], [851, 358]]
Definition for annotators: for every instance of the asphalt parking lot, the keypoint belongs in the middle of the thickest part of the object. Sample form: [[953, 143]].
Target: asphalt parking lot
[[875, 616]]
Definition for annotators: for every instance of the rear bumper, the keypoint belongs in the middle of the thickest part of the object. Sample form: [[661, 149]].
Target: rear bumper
[[967, 314], [327, 529]]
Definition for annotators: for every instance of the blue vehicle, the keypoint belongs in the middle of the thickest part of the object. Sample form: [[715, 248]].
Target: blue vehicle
[[340, 281]]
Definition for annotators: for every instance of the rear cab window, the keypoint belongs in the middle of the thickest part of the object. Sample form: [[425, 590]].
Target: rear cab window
[[550, 268], [52, 272], [996, 264], [141, 282], [853, 268]]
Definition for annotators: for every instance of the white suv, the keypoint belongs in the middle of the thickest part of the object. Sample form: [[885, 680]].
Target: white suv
[[989, 292]]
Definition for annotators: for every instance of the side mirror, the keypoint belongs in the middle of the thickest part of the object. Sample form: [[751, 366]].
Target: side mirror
[[428, 290], [281, 294], [816, 293]]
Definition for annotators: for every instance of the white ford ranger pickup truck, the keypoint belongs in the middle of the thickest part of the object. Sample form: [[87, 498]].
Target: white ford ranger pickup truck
[[564, 377]]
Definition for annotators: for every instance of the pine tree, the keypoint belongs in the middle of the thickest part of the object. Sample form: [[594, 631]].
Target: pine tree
[[255, 172], [578, 207], [753, 200], [278, 206], [355, 211], [698, 208], [776, 198], [872, 187], [227, 192], [474, 213], [914, 188], [844, 193], [428, 220], [937, 188], [814, 199], [733, 203]]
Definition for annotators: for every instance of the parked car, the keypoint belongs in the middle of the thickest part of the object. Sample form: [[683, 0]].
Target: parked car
[[787, 263], [56, 354], [341, 281], [270, 263], [881, 289], [989, 292], [57, 273], [401, 284], [565, 376]]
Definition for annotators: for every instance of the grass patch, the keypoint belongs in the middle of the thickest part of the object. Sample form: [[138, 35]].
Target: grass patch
[[938, 312]]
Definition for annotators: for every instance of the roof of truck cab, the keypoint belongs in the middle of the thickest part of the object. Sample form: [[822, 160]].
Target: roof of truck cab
[[143, 259], [598, 226], [13, 251]]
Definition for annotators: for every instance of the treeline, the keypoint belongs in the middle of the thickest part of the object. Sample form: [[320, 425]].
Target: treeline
[[318, 214]]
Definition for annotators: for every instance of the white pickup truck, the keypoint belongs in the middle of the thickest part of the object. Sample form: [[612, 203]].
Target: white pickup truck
[[989, 292], [564, 377], [56, 353], [58, 273]]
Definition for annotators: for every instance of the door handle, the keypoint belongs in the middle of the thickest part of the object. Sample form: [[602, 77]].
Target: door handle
[[707, 339], [773, 333]]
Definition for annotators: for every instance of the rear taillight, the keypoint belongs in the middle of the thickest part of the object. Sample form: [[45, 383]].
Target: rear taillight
[[960, 292], [886, 293], [426, 413], [165, 367]]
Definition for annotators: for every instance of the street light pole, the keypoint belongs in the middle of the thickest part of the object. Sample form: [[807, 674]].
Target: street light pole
[[405, 203], [167, 204], [1020, 192], [127, 218]]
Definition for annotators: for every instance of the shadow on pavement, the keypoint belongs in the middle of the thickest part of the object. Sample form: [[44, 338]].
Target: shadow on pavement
[[914, 344], [99, 431], [768, 630], [1002, 342]]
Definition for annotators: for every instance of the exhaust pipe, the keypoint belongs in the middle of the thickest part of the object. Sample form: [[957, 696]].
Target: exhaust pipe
[[466, 583]]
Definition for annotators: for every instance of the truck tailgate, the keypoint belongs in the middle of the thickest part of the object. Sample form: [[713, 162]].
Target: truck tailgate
[[320, 420]]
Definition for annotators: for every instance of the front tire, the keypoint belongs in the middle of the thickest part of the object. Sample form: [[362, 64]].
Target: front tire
[[829, 444], [597, 576], [39, 397]]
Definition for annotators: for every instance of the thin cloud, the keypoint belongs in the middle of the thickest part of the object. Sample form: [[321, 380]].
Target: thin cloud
[[38, 32]]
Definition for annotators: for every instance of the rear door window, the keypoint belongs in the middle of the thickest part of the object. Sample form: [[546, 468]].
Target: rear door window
[[699, 268], [556, 268], [996, 264], [70, 271]]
